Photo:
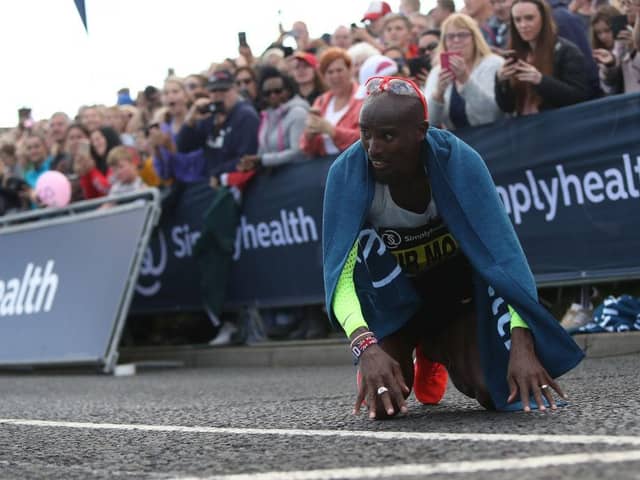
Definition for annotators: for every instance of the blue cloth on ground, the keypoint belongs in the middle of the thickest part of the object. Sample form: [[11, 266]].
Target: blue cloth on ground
[[469, 204], [615, 314]]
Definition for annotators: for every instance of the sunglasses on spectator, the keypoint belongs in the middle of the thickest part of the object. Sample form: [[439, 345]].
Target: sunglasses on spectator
[[397, 86], [450, 37], [429, 48], [244, 81], [268, 93], [191, 86]]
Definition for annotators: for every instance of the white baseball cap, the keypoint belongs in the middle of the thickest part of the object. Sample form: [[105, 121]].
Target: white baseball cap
[[376, 65]]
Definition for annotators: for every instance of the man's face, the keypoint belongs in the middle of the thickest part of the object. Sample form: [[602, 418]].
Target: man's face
[[475, 7], [90, 119], [502, 9], [439, 15], [428, 45], [396, 33], [341, 38], [391, 138], [57, 128], [228, 97]]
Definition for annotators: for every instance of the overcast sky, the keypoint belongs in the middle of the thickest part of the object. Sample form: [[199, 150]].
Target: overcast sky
[[50, 63]]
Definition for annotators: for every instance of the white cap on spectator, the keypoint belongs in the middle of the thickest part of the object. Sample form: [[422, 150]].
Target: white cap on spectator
[[377, 65]]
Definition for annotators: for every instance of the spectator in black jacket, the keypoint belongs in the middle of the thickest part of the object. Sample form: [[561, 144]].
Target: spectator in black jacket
[[547, 71], [572, 28], [224, 126]]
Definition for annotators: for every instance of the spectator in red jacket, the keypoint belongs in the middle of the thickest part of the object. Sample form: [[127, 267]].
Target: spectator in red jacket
[[333, 121]]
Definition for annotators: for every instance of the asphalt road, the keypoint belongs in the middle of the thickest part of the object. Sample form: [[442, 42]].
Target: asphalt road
[[296, 423]]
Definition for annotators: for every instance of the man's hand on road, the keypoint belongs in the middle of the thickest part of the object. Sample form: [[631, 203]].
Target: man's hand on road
[[378, 369], [526, 374]]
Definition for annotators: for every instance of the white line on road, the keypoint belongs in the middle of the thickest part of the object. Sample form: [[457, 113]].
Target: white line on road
[[420, 436], [397, 471]]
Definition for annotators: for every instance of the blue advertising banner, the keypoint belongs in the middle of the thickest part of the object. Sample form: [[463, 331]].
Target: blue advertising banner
[[569, 179]]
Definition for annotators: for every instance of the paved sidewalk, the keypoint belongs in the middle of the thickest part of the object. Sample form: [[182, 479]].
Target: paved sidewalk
[[325, 352]]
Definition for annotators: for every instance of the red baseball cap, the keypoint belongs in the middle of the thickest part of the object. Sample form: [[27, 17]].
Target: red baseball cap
[[376, 10], [308, 58]]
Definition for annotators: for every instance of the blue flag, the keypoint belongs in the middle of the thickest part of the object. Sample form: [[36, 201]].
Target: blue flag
[[83, 13]]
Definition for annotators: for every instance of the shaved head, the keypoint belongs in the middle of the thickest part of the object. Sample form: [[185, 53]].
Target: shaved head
[[396, 109]]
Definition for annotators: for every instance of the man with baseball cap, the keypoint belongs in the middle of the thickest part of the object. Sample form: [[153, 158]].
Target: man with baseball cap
[[419, 255], [223, 125], [373, 19]]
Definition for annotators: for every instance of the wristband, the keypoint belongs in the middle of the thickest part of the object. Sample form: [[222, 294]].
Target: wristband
[[360, 337], [362, 345]]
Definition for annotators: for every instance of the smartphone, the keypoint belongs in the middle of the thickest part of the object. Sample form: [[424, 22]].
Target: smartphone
[[242, 39], [444, 59], [618, 23], [509, 55]]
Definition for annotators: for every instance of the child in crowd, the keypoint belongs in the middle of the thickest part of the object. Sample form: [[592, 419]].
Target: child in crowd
[[125, 177], [93, 183]]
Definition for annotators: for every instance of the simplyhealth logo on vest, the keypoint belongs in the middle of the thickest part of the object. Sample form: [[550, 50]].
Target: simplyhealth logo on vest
[[34, 293], [291, 228]]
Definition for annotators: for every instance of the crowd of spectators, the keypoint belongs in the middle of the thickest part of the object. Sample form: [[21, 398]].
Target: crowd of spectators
[[491, 59]]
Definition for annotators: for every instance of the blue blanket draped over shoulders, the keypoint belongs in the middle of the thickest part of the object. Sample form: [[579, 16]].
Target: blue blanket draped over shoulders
[[469, 205]]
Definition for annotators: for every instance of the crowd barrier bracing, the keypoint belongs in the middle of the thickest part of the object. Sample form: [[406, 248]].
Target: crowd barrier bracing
[[569, 180]]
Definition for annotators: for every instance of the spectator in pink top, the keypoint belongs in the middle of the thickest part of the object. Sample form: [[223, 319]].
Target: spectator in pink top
[[333, 121]]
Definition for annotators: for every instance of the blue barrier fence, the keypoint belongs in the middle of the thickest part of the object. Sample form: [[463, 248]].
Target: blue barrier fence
[[569, 179]]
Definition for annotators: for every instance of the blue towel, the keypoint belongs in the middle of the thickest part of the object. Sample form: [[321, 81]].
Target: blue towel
[[467, 200], [616, 314]]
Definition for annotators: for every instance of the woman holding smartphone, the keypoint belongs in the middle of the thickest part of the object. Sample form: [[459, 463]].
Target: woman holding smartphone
[[620, 65], [333, 123], [460, 90], [547, 71]]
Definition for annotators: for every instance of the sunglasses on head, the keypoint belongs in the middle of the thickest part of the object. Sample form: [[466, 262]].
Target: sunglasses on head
[[397, 86], [268, 93]]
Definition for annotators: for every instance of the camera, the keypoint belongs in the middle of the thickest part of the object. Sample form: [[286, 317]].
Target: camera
[[213, 108]]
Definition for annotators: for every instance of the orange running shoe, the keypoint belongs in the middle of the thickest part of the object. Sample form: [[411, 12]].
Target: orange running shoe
[[430, 379]]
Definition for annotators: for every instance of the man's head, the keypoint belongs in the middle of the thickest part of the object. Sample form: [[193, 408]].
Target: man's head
[[58, 124], [420, 23], [397, 30], [428, 44], [479, 10], [393, 124], [341, 38], [374, 17], [443, 9], [121, 161], [90, 117], [407, 7], [502, 9], [222, 88]]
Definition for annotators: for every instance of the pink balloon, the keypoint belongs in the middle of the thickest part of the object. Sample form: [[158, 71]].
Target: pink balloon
[[53, 189]]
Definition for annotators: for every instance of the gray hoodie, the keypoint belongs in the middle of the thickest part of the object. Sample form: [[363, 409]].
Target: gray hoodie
[[280, 131]]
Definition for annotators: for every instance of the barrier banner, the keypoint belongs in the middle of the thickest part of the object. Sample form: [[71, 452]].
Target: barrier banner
[[168, 277], [569, 180], [64, 283], [277, 253]]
